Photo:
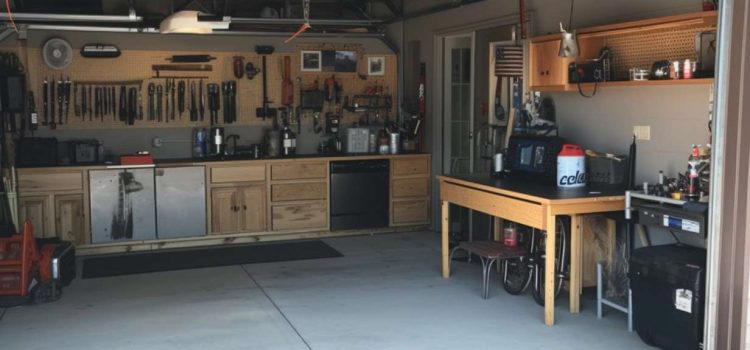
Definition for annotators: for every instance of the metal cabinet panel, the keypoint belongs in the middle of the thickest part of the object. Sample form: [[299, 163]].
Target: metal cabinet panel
[[122, 205], [181, 201]]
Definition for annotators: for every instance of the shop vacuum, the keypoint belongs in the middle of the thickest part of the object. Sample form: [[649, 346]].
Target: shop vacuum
[[668, 286]]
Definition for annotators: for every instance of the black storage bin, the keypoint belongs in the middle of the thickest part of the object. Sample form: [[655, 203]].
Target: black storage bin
[[668, 286]]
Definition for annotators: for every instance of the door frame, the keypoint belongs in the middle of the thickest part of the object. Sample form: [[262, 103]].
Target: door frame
[[728, 266], [445, 105], [435, 90]]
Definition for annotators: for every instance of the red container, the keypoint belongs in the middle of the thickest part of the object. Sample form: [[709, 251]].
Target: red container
[[510, 237], [137, 159]]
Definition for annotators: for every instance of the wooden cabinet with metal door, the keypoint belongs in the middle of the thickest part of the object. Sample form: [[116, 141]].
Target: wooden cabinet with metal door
[[238, 209], [546, 69]]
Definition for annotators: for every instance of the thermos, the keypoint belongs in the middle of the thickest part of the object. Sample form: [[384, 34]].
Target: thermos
[[199, 143], [395, 142], [217, 141], [571, 167], [498, 164]]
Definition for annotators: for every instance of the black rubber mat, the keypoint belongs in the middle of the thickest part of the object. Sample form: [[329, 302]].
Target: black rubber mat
[[205, 257]]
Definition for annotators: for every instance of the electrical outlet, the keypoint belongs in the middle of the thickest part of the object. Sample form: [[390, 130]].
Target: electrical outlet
[[642, 132]]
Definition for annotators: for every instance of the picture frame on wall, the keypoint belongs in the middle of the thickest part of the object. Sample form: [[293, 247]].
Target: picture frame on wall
[[311, 61], [376, 65]]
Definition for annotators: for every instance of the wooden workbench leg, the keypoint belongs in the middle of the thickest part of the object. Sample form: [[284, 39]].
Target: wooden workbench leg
[[497, 225], [444, 216], [549, 270], [575, 264]]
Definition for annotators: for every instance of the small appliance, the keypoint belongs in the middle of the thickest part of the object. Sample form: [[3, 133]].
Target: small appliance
[[533, 156], [217, 141]]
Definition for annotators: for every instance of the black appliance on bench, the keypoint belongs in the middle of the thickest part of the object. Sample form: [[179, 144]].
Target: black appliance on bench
[[359, 194]]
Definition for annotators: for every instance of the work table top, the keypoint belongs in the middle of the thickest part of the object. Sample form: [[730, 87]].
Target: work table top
[[534, 189]]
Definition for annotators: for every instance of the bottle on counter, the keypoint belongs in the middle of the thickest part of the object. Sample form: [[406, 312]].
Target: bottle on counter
[[693, 190], [288, 141]]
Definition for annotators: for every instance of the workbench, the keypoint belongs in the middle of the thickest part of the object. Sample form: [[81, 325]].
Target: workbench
[[533, 204]]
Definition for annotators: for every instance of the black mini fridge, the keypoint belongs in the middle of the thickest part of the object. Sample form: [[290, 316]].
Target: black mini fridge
[[668, 286]]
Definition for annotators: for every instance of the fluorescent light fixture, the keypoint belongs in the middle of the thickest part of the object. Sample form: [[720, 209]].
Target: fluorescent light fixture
[[192, 22]]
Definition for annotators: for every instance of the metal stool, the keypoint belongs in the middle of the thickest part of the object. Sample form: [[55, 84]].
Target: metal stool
[[489, 252]]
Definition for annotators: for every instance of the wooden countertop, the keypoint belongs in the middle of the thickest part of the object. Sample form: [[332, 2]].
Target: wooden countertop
[[197, 161]]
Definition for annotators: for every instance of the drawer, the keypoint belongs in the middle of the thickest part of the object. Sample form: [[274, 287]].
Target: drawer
[[410, 212], [58, 181], [410, 187], [299, 191], [238, 173], [410, 166], [299, 216], [298, 171]]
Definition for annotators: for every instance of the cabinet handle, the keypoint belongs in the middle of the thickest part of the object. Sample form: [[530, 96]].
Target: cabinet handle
[[244, 207]]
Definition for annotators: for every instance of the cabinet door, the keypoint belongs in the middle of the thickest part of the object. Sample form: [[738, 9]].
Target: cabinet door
[[70, 218], [253, 211], [546, 67], [36, 209], [224, 210]]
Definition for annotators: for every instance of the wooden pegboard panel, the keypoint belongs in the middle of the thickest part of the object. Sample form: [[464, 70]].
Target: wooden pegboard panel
[[136, 65], [644, 48]]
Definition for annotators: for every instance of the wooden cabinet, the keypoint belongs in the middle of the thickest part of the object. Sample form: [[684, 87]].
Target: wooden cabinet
[[38, 210], [238, 209], [300, 216], [298, 171], [546, 68], [55, 215], [410, 191], [70, 218]]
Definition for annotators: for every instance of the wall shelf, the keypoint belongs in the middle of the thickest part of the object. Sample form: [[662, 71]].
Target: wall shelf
[[590, 86], [632, 44]]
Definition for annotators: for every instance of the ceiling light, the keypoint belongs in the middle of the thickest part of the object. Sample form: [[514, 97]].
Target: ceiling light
[[192, 22]]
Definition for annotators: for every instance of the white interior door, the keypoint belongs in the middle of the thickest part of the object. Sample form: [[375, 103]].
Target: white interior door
[[458, 96]]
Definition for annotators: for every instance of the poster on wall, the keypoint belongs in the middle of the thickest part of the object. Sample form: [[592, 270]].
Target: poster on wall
[[346, 61], [311, 61], [376, 65]]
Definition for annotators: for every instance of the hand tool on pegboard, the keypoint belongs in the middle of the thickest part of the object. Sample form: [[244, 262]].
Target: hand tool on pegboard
[[151, 103], [172, 97], [66, 98], [193, 103], [202, 100], [45, 101], [238, 66], [213, 102], [60, 97], [52, 101], [123, 111], [264, 111], [181, 68], [132, 101], [91, 102], [33, 116], [190, 58], [181, 97], [113, 101], [159, 97]]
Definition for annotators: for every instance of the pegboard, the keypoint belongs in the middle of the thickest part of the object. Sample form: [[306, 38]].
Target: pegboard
[[136, 65], [642, 49]]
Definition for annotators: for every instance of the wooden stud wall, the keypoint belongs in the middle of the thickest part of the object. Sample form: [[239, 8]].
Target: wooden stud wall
[[136, 65]]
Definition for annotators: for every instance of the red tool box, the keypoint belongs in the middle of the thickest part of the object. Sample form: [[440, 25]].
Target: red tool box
[[137, 159]]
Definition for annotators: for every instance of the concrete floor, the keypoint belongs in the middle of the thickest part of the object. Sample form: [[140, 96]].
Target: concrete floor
[[385, 293]]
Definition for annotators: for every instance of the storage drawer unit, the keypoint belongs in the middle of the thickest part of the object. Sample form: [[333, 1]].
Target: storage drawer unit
[[410, 211], [298, 171], [58, 181], [300, 216], [411, 166], [416, 187], [298, 191], [238, 173]]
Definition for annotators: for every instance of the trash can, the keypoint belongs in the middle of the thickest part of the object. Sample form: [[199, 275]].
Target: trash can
[[668, 286]]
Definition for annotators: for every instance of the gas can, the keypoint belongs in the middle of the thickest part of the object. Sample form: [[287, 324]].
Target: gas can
[[571, 167]]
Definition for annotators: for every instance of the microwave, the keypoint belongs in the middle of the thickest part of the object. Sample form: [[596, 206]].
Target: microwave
[[535, 156]]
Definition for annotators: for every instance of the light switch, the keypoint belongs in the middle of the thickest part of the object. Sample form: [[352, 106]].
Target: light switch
[[642, 132]]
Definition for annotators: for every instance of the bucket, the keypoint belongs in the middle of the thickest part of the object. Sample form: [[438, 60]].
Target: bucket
[[571, 167]]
